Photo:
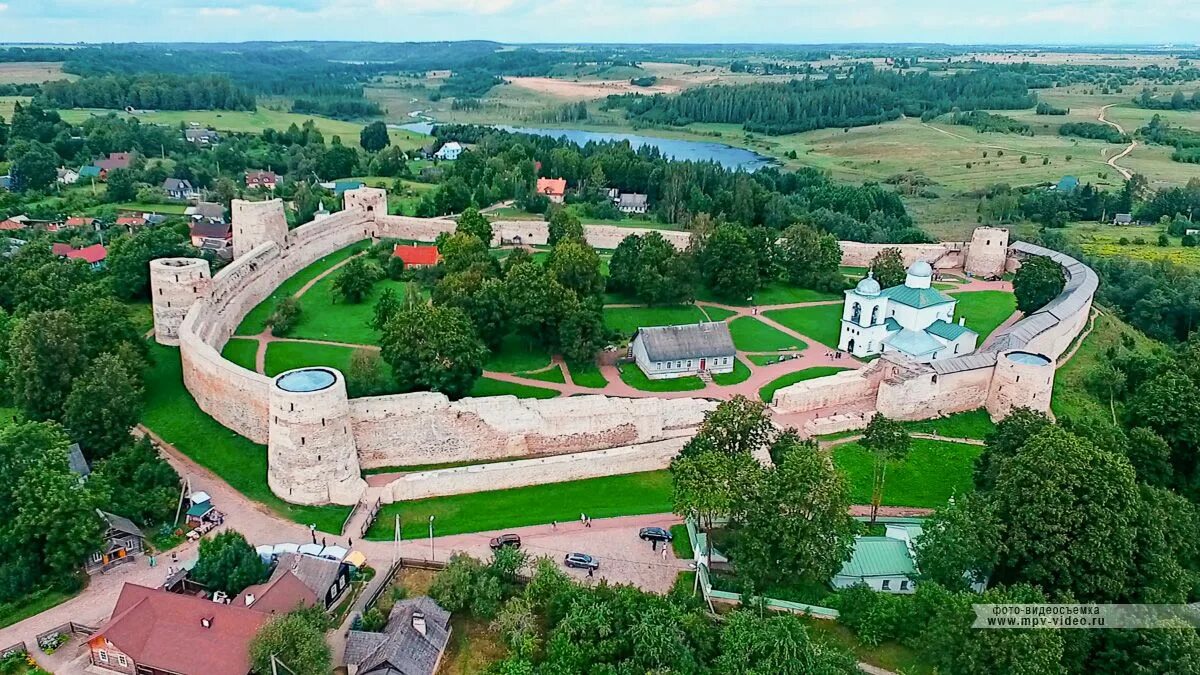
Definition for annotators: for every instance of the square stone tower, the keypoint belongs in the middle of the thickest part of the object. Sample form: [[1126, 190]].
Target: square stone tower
[[255, 223]]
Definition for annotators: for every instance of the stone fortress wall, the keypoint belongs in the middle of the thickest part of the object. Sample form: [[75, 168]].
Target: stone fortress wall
[[318, 443]]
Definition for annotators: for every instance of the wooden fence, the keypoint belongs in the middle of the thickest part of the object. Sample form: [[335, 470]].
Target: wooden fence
[[49, 640]]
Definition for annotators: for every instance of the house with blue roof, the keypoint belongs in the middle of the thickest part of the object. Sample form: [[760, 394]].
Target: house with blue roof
[[914, 320]]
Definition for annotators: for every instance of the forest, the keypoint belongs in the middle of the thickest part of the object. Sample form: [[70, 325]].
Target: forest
[[983, 121], [1093, 130], [148, 92], [865, 97]]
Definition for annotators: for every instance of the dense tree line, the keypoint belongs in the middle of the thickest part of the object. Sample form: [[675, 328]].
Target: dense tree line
[[1178, 101], [1093, 130], [503, 165], [150, 92], [337, 107], [866, 97], [983, 121], [1044, 108]]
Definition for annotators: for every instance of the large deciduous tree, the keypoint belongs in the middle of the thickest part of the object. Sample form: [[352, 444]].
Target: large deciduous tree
[[887, 441], [295, 641], [129, 258], [356, 280], [435, 348], [104, 404], [563, 226], [1038, 281], [960, 544], [139, 484], [45, 355], [374, 137], [810, 258], [729, 261], [228, 563], [576, 266], [737, 426], [888, 267], [471, 221]]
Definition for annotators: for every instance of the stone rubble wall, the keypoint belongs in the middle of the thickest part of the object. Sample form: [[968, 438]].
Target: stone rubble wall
[[527, 232], [847, 388], [946, 255], [921, 394], [427, 428], [520, 473]]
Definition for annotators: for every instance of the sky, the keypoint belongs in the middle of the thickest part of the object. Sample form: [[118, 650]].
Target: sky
[[588, 21]]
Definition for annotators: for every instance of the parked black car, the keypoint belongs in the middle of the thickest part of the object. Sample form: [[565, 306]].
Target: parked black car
[[581, 561], [505, 540], [655, 534]]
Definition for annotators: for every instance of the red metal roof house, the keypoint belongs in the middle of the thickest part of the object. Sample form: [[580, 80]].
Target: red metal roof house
[[553, 188], [417, 256]]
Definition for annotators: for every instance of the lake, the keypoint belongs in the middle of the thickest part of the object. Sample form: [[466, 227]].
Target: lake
[[696, 151]]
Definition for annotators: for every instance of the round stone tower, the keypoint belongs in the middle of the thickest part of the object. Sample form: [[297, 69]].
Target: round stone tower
[[1020, 380], [257, 222], [175, 283], [311, 454], [988, 253]]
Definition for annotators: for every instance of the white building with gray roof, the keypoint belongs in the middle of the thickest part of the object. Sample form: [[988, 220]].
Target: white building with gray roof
[[664, 352], [412, 643]]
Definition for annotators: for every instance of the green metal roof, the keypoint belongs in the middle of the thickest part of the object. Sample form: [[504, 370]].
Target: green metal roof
[[198, 510], [891, 324], [878, 557], [912, 342], [89, 171], [916, 297], [946, 330]]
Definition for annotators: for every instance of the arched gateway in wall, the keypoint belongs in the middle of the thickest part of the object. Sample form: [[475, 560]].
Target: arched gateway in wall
[[319, 441]]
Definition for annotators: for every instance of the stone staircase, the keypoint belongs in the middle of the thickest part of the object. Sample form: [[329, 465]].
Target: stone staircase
[[706, 377]]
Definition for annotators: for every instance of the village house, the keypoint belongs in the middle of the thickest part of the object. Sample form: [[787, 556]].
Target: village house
[[913, 319], [67, 176], [883, 564], [210, 211], [554, 189], [449, 151], [153, 631], [75, 222], [415, 256], [14, 223], [131, 222], [93, 172], [123, 543], [632, 202], [114, 161], [1123, 219], [298, 580], [179, 188], [77, 462], [664, 352], [93, 255], [412, 643], [6, 182], [209, 235], [265, 180]]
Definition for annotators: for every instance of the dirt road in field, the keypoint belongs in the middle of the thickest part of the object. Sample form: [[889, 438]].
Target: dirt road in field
[[1112, 161]]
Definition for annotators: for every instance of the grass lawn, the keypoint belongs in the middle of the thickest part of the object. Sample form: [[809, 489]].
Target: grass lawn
[[241, 351], [740, 373], [717, 313], [587, 375], [681, 542], [174, 416], [554, 374], [634, 377], [774, 293], [142, 314], [166, 209], [751, 335], [283, 356], [256, 321], [625, 495], [766, 359], [627, 320], [33, 604], [822, 323], [325, 317], [768, 391], [971, 424], [1071, 398], [890, 655], [515, 355], [486, 386], [984, 310], [932, 472]]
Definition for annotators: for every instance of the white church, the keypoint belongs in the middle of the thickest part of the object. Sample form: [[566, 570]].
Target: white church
[[915, 320]]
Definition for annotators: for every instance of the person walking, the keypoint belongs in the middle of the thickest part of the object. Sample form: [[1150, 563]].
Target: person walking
[[664, 552], [653, 544], [587, 522], [590, 571], [554, 524], [583, 519]]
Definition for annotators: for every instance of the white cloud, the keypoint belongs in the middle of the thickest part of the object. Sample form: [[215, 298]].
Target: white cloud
[[3, 6]]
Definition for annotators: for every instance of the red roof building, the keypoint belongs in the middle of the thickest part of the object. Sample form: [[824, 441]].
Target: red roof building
[[553, 188], [78, 221], [417, 256], [152, 630], [116, 160], [131, 221], [11, 225], [261, 179], [93, 255]]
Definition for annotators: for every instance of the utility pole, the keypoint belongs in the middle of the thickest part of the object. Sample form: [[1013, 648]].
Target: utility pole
[[396, 547], [432, 556]]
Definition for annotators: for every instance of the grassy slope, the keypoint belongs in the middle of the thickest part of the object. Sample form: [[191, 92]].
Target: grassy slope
[[325, 317], [587, 375], [931, 474], [624, 495], [256, 321], [971, 424], [768, 391], [1071, 398], [173, 415]]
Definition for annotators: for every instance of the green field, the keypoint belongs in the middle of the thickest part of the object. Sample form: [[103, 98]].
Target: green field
[[984, 310], [256, 320], [587, 375], [822, 323], [716, 313], [740, 373], [517, 354], [627, 320], [554, 374], [1071, 396], [975, 424], [611, 496], [486, 386], [145, 207], [634, 377], [174, 416], [932, 472], [774, 293], [325, 317], [751, 335], [283, 356], [768, 392], [242, 351]]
